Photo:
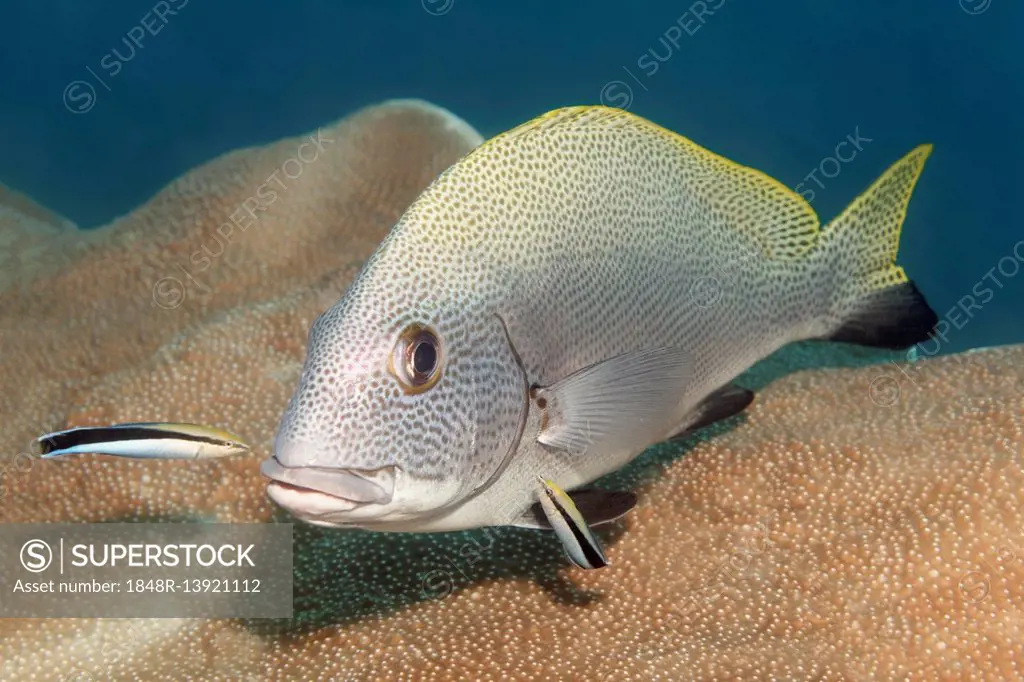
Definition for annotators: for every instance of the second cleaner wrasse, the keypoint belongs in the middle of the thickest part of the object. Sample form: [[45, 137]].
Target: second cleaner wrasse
[[568, 294]]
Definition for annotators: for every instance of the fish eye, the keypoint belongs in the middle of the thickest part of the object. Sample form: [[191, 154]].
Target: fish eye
[[417, 359]]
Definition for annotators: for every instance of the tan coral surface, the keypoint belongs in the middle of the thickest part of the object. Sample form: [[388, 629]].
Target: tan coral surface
[[856, 524]]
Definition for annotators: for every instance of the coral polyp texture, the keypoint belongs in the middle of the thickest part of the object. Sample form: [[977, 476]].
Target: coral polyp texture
[[857, 523]]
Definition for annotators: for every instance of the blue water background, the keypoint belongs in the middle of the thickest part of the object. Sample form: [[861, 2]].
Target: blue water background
[[774, 85]]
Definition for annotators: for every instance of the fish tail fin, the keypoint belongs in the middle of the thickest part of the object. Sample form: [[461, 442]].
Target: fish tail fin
[[874, 303]]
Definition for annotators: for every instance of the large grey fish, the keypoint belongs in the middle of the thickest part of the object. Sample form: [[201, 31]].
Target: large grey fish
[[569, 293]]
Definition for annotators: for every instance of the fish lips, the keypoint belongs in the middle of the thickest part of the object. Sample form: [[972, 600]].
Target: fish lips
[[344, 485]]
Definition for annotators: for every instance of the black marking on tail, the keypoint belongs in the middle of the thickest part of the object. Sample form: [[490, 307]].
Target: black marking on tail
[[896, 318]]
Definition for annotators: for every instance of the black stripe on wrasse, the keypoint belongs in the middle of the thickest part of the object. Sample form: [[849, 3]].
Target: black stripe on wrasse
[[92, 436], [590, 553]]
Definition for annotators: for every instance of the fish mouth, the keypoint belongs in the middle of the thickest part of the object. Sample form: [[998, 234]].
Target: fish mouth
[[324, 487]]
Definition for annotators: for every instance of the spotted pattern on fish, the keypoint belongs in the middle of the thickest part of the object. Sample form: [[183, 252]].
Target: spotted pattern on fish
[[589, 233]]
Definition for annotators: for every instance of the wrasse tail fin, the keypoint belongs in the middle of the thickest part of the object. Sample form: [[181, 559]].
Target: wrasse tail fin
[[875, 303]]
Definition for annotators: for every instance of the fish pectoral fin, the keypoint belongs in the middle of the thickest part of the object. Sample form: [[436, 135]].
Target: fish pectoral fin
[[726, 402], [143, 440], [596, 506], [616, 404]]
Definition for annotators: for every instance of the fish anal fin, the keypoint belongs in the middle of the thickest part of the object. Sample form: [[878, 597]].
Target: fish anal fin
[[726, 402], [596, 506]]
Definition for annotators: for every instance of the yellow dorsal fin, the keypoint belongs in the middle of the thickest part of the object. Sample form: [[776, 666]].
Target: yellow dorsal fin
[[869, 228], [777, 219]]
